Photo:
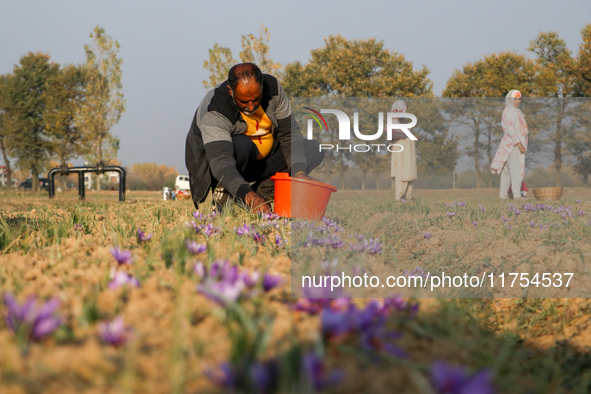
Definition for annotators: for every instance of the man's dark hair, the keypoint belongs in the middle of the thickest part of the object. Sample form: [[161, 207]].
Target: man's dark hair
[[244, 71]]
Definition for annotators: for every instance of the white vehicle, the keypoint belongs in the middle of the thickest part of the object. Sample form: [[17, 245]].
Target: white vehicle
[[182, 182]]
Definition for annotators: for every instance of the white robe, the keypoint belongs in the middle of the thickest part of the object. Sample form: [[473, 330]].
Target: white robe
[[404, 164]]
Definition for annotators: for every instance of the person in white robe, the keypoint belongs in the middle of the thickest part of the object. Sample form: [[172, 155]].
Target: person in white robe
[[509, 160], [403, 166]]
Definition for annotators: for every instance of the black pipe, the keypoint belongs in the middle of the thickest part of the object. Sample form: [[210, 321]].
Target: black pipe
[[100, 168]]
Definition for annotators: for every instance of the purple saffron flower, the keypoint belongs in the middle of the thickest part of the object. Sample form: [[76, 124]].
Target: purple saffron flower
[[122, 256], [250, 280], [142, 237], [448, 379], [475, 223], [34, 322], [278, 240], [418, 271], [316, 375], [114, 333], [426, 236], [482, 208], [78, 227], [195, 248], [200, 216], [123, 279], [517, 212], [209, 230], [451, 214], [532, 224], [462, 204], [580, 212], [243, 230], [258, 237], [579, 201], [222, 292], [199, 270], [270, 281]]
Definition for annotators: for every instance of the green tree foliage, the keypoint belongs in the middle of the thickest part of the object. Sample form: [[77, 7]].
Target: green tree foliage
[[355, 68], [437, 153], [254, 49], [584, 63], [65, 96], [219, 63], [556, 77], [26, 102], [151, 176], [104, 101], [492, 76], [6, 131]]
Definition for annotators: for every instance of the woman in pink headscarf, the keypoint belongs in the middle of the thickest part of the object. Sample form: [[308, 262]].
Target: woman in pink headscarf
[[509, 161], [403, 167]]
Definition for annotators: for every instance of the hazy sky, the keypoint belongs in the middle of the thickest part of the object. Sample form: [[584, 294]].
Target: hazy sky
[[164, 44]]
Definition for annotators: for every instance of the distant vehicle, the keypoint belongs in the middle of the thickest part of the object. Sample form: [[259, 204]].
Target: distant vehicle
[[28, 184], [182, 182]]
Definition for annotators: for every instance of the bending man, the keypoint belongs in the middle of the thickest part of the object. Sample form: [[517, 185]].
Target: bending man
[[240, 136]]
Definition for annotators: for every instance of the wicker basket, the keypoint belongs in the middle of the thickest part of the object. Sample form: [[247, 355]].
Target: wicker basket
[[548, 193]]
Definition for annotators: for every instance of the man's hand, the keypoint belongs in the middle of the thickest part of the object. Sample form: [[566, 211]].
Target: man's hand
[[302, 175], [521, 147], [256, 203]]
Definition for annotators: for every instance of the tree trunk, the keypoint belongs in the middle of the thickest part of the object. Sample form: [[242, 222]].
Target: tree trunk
[[7, 162], [586, 179], [477, 157], [378, 186], [35, 184], [558, 144], [363, 179]]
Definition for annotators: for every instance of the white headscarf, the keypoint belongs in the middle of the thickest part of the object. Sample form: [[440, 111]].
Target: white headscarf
[[398, 106], [510, 96]]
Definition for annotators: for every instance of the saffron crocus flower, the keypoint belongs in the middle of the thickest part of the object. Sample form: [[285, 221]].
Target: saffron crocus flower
[[122, 256], [462, 204], [482, 208], [78, 227], [316, 375], [258, 237], [29, 320], [580, 212], [243, 230], [418, 271], [475, 223], [451, 214], [250, 279], [142, 237], [426, 236], [195, 248], [579, 201], [517, 212], [114, 333], [278, 240], [199, 270], [123, 279], [532, 224], [209, 230], [270, 281], [448, 379]]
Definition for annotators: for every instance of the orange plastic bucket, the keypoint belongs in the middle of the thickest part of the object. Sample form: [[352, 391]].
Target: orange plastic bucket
[[300, 198]]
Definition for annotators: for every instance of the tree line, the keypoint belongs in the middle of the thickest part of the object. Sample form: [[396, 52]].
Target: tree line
[[554, 78], [59, 112]]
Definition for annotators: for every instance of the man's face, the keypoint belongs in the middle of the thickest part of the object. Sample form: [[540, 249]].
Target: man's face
[[247, 96]]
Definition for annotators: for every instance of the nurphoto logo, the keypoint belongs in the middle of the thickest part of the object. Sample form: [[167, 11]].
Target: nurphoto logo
[[345, 130]]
